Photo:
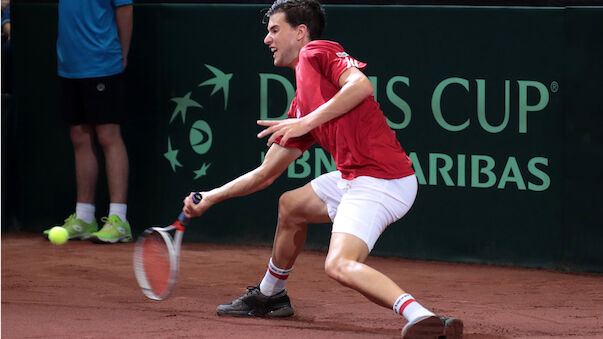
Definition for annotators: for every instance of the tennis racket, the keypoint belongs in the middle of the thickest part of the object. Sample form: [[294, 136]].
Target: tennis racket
[[157, 257]]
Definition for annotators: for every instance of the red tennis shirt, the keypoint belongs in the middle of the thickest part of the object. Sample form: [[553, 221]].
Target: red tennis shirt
[[360, 140]]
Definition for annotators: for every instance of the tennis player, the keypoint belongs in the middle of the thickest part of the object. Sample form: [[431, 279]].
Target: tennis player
[[374, 184]]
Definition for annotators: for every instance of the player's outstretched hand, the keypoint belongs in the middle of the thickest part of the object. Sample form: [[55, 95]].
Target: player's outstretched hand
[[288, 128], [191, 209]]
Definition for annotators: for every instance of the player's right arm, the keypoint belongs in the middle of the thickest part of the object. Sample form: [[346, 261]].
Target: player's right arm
[[275, 162]]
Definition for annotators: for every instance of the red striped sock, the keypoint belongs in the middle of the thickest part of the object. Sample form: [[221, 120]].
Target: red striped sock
[[407, 306], [275, 279]]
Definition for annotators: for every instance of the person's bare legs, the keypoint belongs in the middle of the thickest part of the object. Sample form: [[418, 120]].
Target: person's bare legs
[[346, 254], [296, 210], [86, 163], [345, 264], [345, 261], [116, 161]]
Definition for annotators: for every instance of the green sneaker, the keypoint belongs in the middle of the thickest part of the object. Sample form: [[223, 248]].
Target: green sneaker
[[113, 231], [77, 228]]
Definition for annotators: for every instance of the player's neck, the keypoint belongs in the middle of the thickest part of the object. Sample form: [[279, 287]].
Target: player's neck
[[293, 65]]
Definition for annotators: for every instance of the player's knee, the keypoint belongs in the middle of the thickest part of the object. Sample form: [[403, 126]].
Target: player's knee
[[338, 268], [286, 206]]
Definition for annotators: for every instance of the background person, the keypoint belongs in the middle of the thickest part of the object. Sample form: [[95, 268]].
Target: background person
[[92, 52], [7, 62]]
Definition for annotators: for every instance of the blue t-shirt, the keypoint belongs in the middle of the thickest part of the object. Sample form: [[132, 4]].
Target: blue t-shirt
[[88, 44], [6, 15]]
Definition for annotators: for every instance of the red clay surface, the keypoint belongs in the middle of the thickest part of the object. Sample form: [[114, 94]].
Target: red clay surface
[[83, 290]]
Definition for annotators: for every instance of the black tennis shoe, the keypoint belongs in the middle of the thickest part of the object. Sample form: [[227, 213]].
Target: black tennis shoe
[[255, 304], [453, 328]]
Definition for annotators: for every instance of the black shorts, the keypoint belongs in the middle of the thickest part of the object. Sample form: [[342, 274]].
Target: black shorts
[[93, 100]]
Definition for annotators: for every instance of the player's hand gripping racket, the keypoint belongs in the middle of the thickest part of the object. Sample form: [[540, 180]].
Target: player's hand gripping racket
[[157, 257]]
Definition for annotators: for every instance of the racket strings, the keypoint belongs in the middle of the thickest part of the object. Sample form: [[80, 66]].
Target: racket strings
[[156, 263]]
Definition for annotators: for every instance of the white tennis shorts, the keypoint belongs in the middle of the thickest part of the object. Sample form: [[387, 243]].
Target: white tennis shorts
[[365, 206]]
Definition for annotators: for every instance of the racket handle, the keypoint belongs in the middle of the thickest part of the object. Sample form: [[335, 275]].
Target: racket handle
[[182, 218]]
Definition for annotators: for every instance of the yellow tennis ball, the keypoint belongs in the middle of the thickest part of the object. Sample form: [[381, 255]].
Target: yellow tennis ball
[[58, 235]]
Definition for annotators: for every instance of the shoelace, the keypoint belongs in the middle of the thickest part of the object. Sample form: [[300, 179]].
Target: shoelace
[[107, 222], [250, 290]]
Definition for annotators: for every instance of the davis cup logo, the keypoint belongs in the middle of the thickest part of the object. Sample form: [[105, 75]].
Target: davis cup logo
[[200, 137], [199, 131]]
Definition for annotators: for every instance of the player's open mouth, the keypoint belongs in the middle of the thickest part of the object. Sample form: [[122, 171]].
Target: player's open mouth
[[273, 50]]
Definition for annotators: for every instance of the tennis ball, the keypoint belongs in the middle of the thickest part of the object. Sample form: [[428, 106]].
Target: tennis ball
[[58, 235]]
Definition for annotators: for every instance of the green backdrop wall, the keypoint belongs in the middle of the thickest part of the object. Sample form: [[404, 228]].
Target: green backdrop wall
[[498, 108]]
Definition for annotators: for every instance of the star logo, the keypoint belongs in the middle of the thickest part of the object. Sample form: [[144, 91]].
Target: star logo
[[200, 134], [201, 171], [182, 104], [220, 81], [172, 156]]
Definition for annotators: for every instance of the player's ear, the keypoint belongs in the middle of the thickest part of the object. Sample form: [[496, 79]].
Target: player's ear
[[302, 32]]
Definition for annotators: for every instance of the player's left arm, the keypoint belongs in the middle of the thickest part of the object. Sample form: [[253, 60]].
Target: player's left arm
[[277, 159], [124, 18], [354, 88]]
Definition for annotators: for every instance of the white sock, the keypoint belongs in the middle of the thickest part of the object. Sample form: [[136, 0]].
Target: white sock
[[275, 279], [407, 306], [85, 212], [118, 210]]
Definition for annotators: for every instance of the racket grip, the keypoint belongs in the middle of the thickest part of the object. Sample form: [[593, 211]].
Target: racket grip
[[182, 218]]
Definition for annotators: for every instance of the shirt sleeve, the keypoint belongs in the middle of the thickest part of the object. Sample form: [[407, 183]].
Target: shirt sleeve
[[6, 15], [118, 3], [333, 64], [302, 142]]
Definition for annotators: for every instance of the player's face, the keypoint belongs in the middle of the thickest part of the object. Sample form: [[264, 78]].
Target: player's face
[[284, 41]]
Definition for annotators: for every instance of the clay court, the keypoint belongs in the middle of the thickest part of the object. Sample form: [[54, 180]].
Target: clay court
[[83, 290]]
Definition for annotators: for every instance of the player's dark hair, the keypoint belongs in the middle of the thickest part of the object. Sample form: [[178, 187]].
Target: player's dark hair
[[297, 12]]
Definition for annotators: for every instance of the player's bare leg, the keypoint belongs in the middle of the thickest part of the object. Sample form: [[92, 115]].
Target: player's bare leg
[[296, 210], [86, 164], [345, 264]]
